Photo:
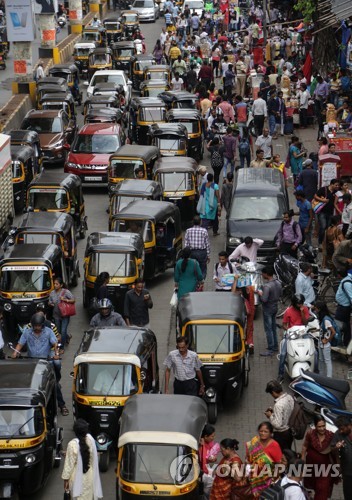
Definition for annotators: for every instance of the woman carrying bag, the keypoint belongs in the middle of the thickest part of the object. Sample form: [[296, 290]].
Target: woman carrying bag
[[187, 274], [63, 303]]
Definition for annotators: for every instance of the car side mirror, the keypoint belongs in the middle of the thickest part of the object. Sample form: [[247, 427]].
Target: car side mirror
[[129, 82], [67, 146]]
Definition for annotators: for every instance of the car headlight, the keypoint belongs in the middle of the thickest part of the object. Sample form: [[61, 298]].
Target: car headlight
[[234, 241], [7, 307], [72, 165], [101, 438], [210, 393], [58, 145], [89, 94], [30, 458]]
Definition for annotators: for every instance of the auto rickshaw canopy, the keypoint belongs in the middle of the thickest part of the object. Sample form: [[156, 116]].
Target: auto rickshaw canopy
[[115, 241], [22, 153], [186, 100], [162, 129], [33, 252], [101, 101], [112, 24], [183, 114], [64, 70], [211, 306], [19, 137], [145, 153], [59, 179], [175, 164], [103, 115], [129, 17], [48, 222], [85, 47], [163, 419], [137, 187], [51, 80], [153, 85], [143, 60], [122, 44], [156, 211]]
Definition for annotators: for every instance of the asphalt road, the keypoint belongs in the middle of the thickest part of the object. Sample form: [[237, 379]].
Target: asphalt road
[[239, 422]]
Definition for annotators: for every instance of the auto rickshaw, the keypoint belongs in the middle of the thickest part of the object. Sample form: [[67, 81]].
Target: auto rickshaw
[[99, 102], [81, 53], [23, 170], [29, 138], [27, 274], [152, 88], [3, 40], [138, 63], [58, 192], [119, 254], [60, 100], [170, 138], [100, 58], [113, 29], [61, 87], [158, 72], [123, 52], [178, 177], [192, 120], [112, 364], [94, 35], [130, 190], [144, 111], [159, 224], [51, 228], [128, 161], [157, 447], [130, 22], [104, 115], [215, 325], [180, 99], [70, 73], [30, 438]]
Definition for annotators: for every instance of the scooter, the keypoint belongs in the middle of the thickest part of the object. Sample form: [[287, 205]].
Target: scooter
[[250, 274], [301, 351]]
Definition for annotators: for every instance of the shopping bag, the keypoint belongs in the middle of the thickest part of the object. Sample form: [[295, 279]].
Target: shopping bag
[[174, 300]]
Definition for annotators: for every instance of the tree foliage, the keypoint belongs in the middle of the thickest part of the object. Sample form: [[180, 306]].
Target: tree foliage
[[307, 7]]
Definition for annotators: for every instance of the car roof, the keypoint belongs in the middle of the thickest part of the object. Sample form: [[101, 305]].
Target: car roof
[[100, 129]]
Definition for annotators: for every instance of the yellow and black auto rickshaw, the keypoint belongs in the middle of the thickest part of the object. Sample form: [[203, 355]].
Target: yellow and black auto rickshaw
[[27, 274], [57, 86], [123, 53], [192, 120], [94, 35], [144, 112], [70, 73], [112, 364], [130, 22], [81, 53], [24, 164], [51, 228], [58, 192], [129, 162], [30, 438], [158, 72], [3, 55], [180, 99], [113, 29], [27, 138], [130, 190], [178, 177], [159, 224], [138, 63], [119, 254], [100, 58], [157, 447], [95, 102], [215, 325], [170, 138], [60, 100], [152, 88]]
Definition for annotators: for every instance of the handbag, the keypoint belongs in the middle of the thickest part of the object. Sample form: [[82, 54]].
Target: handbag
[[67, 495], [66, 309], [317, 206]]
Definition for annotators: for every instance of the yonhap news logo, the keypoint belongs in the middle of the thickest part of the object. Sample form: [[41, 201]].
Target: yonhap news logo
[[184, 469]]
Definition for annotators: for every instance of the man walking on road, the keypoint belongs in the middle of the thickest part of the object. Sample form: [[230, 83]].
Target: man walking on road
[[197, 239], [264, 142], [137, 304], [185, 365], [269, 297], [260, 112]]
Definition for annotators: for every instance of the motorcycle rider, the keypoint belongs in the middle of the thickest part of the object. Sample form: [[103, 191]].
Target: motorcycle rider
[[248, 249], [96, 23], [106, 316]]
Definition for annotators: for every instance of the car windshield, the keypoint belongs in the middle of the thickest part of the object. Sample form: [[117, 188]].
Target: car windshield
[[16, 169], [170, 142], [96, 143], [176, 181], [107, 379], [257, 207], [47, 238], [116, 264], [21, 422], [152, 115], [143, 228], [126, 168], [47, 199], [146, 4], [118, 79], [43, 125], [24, 279], [210, 338], [153, 463]]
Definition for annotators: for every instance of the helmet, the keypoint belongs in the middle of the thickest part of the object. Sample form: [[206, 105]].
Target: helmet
[[297, 299], [37, 320], [105, 304]]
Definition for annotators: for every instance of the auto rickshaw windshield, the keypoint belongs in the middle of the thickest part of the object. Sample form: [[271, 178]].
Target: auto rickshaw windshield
[[46, 238], [210, 338], [107, 379], [152, 115], [157, 75], [125, 52], [80, 52], [176, 181], [116, 264], [192, 127], [144, 228], [43, 125], [126, 168], [16, 169], [24, 279], [90, 37], [140, 65], [130, 18], [18, 422], [157, 463], [95, 143], [122, 201], [170, 143], [48, 199]]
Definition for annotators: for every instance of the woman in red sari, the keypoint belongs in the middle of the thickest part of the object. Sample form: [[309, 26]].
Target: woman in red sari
[[316, 450]]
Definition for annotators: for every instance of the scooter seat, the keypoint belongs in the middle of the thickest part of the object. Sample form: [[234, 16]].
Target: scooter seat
[[324, 271], [341, 386]]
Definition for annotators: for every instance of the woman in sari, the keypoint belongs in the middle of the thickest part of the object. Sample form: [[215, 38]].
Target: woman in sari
[[262, 452], [208, 449], [229, 477], [316, 450]]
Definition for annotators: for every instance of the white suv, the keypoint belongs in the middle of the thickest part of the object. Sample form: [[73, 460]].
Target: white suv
[[112, 76]]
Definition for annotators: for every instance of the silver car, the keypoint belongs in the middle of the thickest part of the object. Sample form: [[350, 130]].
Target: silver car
[[147, 10]]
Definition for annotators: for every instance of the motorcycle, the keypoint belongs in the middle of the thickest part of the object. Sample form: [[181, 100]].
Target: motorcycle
[[139, 45], [250, 274]]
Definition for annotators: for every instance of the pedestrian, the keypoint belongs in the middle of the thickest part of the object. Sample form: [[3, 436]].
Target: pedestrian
[[304, 97], [294, 477], [305, 220], [205, 74], [221, 269], [308, 179], [280, 414], [273, 112], [281, 114], [304, 283], [39, 72], [197, 239], [241, 109], [215, 59], [344, 303], [177, 83], [346, 216], [296, 154], [229, 81], [327, 333], [289, 236], [61, 294], [326, 195], [259, 161], [216, 157], [179, 66], [264, 142], [158, 52], [188, 274], [195, 21], [269, 297], [226, 193], [209, 207], [248, 249], [81, 467], [230, 144], [244, 149], [191, 78], [106, 316], [137, 304], [342, 442], [226, 109], [241, 72], [332, 238], [186, 366], [260, 112], [208, 449]]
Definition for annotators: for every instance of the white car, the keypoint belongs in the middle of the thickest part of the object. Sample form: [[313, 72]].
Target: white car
[[148, 10], [112, 76], [197, 5]]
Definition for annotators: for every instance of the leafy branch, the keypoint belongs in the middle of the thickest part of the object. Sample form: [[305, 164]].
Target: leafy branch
[[307, 8]]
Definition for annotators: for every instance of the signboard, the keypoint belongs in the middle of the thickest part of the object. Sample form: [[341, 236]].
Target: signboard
[[328, 172], [20, 23], [46, 6]]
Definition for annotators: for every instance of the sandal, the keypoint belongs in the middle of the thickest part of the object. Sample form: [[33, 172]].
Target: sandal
[[64, 411]]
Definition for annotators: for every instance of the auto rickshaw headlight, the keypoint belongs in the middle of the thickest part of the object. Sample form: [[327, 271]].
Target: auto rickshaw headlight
[[7, 307], [101, 438], [30, 458], [210, 393]]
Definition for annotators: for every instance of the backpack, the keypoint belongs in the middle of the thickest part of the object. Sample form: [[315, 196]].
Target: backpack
[[294, 227], [277, 492], [336, 340], [217, 160], [229, 264], [298, 421], [243, 147]]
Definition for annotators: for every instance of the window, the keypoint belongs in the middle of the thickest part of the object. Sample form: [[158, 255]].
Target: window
[[176, 181], [116, 264], [47, 199], [170, 143], [47, 238], [126, 168], [96, 143], [257, 207], [43, 125], [152, 115], [121, 202], [21, 422], [144, 228], [24, 279], [210, 338], [119, 79], [192, 126], [107, 379]]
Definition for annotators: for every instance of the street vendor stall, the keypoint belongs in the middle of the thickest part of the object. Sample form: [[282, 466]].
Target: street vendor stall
[[343, 143]]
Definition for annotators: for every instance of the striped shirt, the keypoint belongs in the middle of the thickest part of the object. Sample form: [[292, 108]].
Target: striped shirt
[[184, 367], [197, 238]]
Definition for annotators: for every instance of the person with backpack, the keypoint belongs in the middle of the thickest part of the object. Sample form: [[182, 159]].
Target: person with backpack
[[327, 334], [187, 274], [279, 414], [289, 236], [344, 303], [222, 268], [292, 483], [216, 157], [244, 149]]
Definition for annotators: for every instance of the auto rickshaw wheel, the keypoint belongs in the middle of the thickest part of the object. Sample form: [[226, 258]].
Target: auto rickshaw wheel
[[246, 369], [212, 413], [104, 460], [74, 281], [82, 233]]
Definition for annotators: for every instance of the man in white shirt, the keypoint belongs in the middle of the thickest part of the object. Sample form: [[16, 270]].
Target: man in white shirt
[[260, 112], [249, 249], [291, 483], [264, 142], [222, 268], [304, 97], [304, 284], [163, 36], [177, 83]]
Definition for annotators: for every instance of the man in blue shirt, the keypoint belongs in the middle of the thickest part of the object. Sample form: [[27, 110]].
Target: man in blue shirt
[[304, 283], [305, 216]]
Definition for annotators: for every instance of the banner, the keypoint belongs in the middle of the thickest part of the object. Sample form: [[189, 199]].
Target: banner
[[20, 23], [45, 6]]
